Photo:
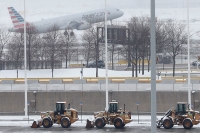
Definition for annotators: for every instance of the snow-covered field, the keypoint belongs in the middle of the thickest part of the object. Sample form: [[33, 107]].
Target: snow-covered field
[[64, 73], [74, 72]]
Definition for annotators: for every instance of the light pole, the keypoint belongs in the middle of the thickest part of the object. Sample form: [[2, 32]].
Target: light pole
[[110, 95], [106, 51], [35, 92], [25, 78], [188, 28], [153, 68]]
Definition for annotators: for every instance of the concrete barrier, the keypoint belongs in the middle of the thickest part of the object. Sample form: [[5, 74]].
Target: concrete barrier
[[67, 81], [55, 81], [180, 80], [32, 81], [96, 80], [117, 80], [44, 81], [175, 79], [19, 81], [79, 81], [94, 100], [131, 81], [4, 81], [92, 80]]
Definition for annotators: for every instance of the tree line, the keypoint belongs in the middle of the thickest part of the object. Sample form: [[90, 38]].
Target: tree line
[[51, 49]]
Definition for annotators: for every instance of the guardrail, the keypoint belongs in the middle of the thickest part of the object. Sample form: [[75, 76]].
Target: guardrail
[[98, 80]]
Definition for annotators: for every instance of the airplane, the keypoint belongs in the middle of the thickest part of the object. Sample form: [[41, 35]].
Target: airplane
[[80, 21]]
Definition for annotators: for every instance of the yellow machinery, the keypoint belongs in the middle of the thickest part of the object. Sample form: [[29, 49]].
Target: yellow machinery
[[62, 115], [114, 116], [180, 116]]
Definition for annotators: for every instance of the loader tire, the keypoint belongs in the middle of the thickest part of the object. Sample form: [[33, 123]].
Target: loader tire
[[123, 125], [51, 121], [167, 124], [46, 123], [172, 125], [99, 123], [118, 123], [65, 122], [187, 124], [104, 124]]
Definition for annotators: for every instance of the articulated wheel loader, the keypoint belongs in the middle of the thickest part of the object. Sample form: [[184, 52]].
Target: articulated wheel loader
[[180, 116], [62, 116], [114, 116]]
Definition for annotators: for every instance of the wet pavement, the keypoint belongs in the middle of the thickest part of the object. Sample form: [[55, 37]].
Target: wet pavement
[[17, 124], [106, 129]]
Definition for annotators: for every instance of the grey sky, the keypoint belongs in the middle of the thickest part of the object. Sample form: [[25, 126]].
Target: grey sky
[[98, 3], [43, 9]]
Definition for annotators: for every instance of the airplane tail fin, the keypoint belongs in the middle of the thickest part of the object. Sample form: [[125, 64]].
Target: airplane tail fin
[[17, 19]]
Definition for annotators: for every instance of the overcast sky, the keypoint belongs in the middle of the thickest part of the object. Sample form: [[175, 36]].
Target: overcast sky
[[43, 9], [63, 7], [98, 3]]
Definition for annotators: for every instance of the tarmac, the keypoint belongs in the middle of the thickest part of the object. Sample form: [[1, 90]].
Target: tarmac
[[27, 121], [141, 124]]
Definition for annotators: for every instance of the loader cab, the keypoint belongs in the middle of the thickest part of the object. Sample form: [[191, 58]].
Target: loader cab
[[113, 106], [181, 108], [60, 108]]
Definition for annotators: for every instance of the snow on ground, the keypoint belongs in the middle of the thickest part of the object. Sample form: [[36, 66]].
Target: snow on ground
[[20, 121], [64, 73], [73, 72], [144, 120]]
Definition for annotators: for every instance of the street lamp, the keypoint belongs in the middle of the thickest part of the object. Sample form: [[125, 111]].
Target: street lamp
[[110, 95], [25, 78], [35, 92], [106, 62], [188, 28], [153, 68]]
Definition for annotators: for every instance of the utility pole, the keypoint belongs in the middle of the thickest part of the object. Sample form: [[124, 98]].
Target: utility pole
[[153, 69]]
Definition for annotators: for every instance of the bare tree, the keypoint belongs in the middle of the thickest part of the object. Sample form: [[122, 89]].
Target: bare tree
[[53, 41], [4, 40], [89, 38], [16, 50], [31, 37], [176, 36], [139, 40], [67, 42]]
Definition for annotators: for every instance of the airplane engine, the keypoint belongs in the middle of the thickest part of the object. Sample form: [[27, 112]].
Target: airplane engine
[[84, 27]]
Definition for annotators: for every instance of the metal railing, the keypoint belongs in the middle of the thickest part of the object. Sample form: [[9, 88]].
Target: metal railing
[[99, 87]]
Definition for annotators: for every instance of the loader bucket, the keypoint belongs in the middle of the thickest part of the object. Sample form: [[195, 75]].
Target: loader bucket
[[34, 125], [89, 124], [37, 123]]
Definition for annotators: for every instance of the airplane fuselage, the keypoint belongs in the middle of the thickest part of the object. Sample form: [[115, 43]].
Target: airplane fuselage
[[80, 21]]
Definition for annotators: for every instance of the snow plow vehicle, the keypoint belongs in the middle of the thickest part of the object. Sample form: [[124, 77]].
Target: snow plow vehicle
[[180, 116], [62, 115], [114, 116]]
